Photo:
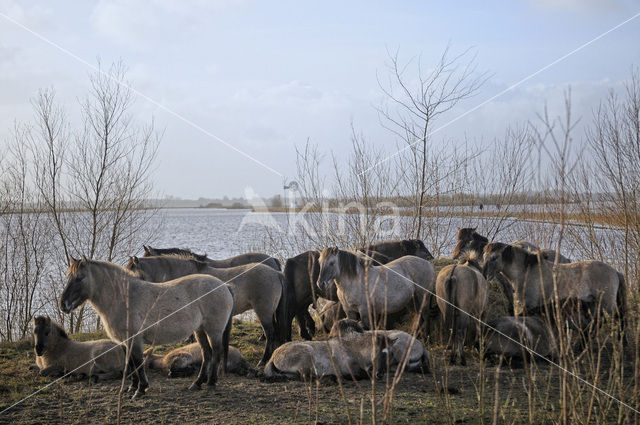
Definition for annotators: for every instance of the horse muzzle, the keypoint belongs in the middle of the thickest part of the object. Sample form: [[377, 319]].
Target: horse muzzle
[[67, 306]]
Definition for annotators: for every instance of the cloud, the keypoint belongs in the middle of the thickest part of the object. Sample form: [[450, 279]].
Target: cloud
[[589, 6], [144, 22]]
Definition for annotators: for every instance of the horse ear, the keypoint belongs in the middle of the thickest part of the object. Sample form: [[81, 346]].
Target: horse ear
[[474, 228], [84, 258], [146, 249], [135, 260], [73, 260]]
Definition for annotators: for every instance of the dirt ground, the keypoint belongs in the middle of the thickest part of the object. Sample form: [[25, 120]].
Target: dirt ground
[[446, 395]]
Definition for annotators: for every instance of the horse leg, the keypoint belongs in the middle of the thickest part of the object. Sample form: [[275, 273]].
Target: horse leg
[[218, 349], [137, 357], [203, 340], [267, 322], [507, 289], [364, 318], [463, 326], [304, 318]]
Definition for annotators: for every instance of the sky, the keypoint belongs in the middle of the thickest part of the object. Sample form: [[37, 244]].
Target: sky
[[266, 76]]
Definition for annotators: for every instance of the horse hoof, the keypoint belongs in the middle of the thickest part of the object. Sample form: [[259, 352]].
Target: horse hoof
[[194, 387], [137, 395], [261, 364]]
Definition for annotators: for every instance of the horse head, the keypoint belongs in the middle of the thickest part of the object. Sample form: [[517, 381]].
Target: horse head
[[496, 255], [45, 331], [329, 262], [77, 289]]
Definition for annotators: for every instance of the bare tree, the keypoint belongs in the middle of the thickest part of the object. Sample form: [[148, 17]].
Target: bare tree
[[414, 104]]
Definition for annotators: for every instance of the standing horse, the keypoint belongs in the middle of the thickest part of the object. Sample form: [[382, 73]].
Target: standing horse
[[469, 241], [254, 286], [394, 249], [533, 281], [462, 292], [301, 273], [375, 291], [238, 260], [136, 312]]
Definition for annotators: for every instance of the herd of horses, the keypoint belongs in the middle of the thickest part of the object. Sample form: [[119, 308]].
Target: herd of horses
[[168, 295]]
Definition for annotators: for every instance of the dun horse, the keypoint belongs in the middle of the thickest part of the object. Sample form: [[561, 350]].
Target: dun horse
[[187, 360], [508, 336], [57, 354], [590, 282], [352, 358], [238, 260], [138, 312], [462, 292], [403, 350], [254, 286], [375, 291]]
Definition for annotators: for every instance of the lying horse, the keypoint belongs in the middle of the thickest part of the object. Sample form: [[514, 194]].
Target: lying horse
[[393, 249], [591, 282], [238, 260], [254, 286], [375, 291], [57, 354], [403, 349], [462, 292], [139, 312], [528, 331], [352, 358], [187, 360]]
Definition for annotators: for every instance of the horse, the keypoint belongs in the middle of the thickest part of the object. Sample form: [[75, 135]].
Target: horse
[[135, 312], [57, 354], [469, 240], [187, 360], [533, 281], [404, 349], [254, 286], [528, 331], [460, 287], [238, 260], [352, 358], [393, 249], [375, 291], [550, 255]]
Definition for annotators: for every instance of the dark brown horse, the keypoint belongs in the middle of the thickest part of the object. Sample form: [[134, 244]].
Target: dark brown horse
[[390, 250], [238, 260], [301, 273], [469, 241]]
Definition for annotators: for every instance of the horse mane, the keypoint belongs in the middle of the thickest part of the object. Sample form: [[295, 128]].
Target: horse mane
[[184, 252], [509, 252], [344, 327], [349, 263], [470, 258]]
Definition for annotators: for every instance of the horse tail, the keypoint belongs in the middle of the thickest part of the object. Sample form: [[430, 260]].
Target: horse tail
[[282, 312], [452, 297], [225, 339], [290, 284], [621, 299]]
